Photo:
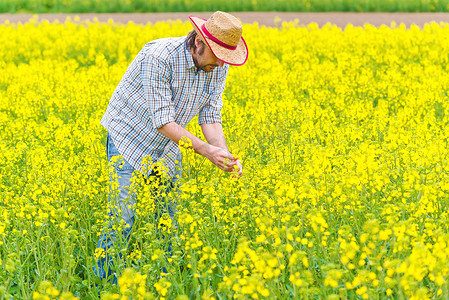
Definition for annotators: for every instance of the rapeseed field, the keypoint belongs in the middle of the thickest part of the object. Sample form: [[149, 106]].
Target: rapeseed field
[[343, 136]]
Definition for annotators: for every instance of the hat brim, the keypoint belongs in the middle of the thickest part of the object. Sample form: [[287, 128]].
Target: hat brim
[[236, 57]]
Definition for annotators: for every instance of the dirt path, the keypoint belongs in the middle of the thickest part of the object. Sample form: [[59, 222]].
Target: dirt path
[[263, 18]]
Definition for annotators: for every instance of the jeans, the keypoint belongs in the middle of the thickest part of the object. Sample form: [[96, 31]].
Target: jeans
[[121, 211]]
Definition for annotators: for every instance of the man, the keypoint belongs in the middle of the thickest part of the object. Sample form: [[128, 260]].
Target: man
[[169, 82]]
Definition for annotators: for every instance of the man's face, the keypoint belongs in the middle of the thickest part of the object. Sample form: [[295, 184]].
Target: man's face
[[204, 58]]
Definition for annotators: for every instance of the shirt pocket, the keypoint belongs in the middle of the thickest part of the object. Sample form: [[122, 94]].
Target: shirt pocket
[[179, 84], [209, 93]]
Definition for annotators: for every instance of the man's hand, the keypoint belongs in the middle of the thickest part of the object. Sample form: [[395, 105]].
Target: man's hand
[[216, 150], [213, 133], [222, 158]]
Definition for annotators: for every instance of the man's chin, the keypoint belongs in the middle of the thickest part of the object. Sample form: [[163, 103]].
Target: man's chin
[[208, 69]]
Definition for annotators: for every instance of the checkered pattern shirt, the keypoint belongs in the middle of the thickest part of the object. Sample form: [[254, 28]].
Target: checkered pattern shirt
[[161, 85]]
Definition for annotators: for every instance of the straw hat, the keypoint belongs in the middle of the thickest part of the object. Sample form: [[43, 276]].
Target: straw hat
[[222, 32]]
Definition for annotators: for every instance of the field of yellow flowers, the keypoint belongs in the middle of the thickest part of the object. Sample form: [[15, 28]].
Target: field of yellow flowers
[[344, 139]]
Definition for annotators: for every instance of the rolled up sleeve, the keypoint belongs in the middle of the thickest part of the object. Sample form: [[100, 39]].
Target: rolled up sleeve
[[156, 84], [211, 112]]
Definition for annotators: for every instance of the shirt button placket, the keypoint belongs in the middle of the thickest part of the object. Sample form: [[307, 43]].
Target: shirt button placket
[[192, 87]]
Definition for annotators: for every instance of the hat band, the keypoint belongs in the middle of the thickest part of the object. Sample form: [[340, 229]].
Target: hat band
[[209, 35]]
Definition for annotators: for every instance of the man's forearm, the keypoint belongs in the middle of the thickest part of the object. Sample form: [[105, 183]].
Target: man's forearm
[[214, 135]]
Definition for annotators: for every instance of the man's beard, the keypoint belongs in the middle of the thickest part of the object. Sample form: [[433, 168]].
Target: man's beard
[[199, 51]]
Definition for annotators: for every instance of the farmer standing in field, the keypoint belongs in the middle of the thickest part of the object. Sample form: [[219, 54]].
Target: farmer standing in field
[[170, 81]]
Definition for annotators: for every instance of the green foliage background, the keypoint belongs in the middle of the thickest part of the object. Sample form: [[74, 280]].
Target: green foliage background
[[80, 6]]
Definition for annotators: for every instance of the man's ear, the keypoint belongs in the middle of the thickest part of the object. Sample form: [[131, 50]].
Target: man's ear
[[198, 40]]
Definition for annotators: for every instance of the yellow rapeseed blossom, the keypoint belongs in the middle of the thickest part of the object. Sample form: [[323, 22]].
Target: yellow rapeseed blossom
[[344, 138]]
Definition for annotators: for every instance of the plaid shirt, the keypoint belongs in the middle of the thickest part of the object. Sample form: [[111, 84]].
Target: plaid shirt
[[161, 85]]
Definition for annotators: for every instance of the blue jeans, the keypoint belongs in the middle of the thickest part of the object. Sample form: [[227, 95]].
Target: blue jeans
[[121, 211]]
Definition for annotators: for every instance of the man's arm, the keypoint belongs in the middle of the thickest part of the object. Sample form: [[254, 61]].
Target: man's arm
[[215, 154], [213, 132]]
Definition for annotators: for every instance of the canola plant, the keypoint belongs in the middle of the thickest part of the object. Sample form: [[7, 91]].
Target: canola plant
[[343, 134]]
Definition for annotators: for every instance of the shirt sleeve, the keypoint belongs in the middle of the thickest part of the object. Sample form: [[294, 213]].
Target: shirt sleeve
[[211, 112], [156, 84]]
